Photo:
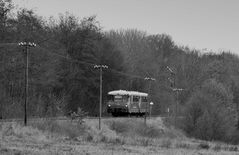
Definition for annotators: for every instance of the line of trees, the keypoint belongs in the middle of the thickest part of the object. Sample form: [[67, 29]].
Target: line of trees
[[60, 81]]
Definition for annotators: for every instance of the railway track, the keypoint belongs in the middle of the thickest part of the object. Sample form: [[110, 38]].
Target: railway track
[[67, 118]]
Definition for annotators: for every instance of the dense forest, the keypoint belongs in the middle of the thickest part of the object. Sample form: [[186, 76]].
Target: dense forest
[[62, 77]]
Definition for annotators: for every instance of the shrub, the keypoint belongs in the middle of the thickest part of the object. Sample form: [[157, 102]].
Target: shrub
[[79, 116], [230, 148], [233, 148], [166, 143], [233, 137], [92, 133], [120, 127], [135, 128], [203, 145], [25, 132], [145, 141], [217, 147], [210, 113], [63, 127], [182, 145]]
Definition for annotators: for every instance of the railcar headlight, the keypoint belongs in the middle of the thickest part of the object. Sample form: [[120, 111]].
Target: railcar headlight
[[126, 105], [109, 105]]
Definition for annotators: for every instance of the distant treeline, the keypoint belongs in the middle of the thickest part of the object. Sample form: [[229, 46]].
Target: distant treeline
[[62, 77]]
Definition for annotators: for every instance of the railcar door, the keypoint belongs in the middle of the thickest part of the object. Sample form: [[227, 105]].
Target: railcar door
[[144, 104], [134, 104]]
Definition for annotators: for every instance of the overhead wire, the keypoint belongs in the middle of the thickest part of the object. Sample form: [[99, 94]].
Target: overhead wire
[[39, 42], [91, 64], [79, 61], [7, 44], [68, 58], [43, 40], [87, 63], [126, 74]]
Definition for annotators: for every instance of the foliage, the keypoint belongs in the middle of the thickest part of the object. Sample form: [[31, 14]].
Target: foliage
[[209, 115], [204, 145], [79, 116]]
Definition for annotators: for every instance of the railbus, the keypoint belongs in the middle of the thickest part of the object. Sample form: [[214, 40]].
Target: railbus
[[122, 102]]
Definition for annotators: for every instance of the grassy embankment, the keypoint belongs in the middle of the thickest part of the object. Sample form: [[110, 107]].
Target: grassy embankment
[[118, 136]]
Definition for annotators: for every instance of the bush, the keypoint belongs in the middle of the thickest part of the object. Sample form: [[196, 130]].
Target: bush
[[25, 132], [166, 143], [233, 137], [182, 145], [203, 146], [63, 127], [135, 128], [217, 147], [210, 114], [233, 148]]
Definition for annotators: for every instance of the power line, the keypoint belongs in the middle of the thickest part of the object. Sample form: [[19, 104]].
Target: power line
[[80, 61], [68, 58], [126, 74], [84, 62], [8, 44], [44, 40], [91, 64], [39, 42]]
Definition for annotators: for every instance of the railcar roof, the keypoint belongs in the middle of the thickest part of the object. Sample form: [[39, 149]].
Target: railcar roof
[[125, 92]]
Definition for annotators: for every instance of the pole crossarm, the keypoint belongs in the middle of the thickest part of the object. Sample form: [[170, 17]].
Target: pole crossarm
[[150, 79], [28, 44], [101, 66], [178, 89]]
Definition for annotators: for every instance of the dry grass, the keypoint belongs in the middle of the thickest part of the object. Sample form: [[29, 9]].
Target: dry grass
[[22, 132], [118, 136]]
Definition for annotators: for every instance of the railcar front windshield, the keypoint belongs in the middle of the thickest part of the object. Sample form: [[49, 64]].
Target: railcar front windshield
[[118, 98]]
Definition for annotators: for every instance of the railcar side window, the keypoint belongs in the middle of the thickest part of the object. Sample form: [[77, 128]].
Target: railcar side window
[[144, 99], [125, 98], [135, 98]]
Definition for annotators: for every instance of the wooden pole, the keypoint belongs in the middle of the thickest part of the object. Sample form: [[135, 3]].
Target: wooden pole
[[27, 45], [101, 83], [100, 109], [26, 87]]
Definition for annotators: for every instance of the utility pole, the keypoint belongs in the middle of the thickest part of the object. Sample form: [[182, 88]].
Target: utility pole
[[146, 108], [177, 90], [26, 46], [101, 67]]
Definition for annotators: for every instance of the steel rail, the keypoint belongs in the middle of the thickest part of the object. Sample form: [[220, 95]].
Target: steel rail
[[66, 118]]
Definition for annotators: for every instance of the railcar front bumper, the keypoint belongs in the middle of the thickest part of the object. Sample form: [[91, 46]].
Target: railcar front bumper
[[117, 109]]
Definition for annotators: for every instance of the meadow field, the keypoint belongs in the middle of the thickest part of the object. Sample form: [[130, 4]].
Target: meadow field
[[118, 136]]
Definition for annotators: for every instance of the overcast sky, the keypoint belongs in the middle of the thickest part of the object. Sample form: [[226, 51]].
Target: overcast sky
[[212, 24]]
